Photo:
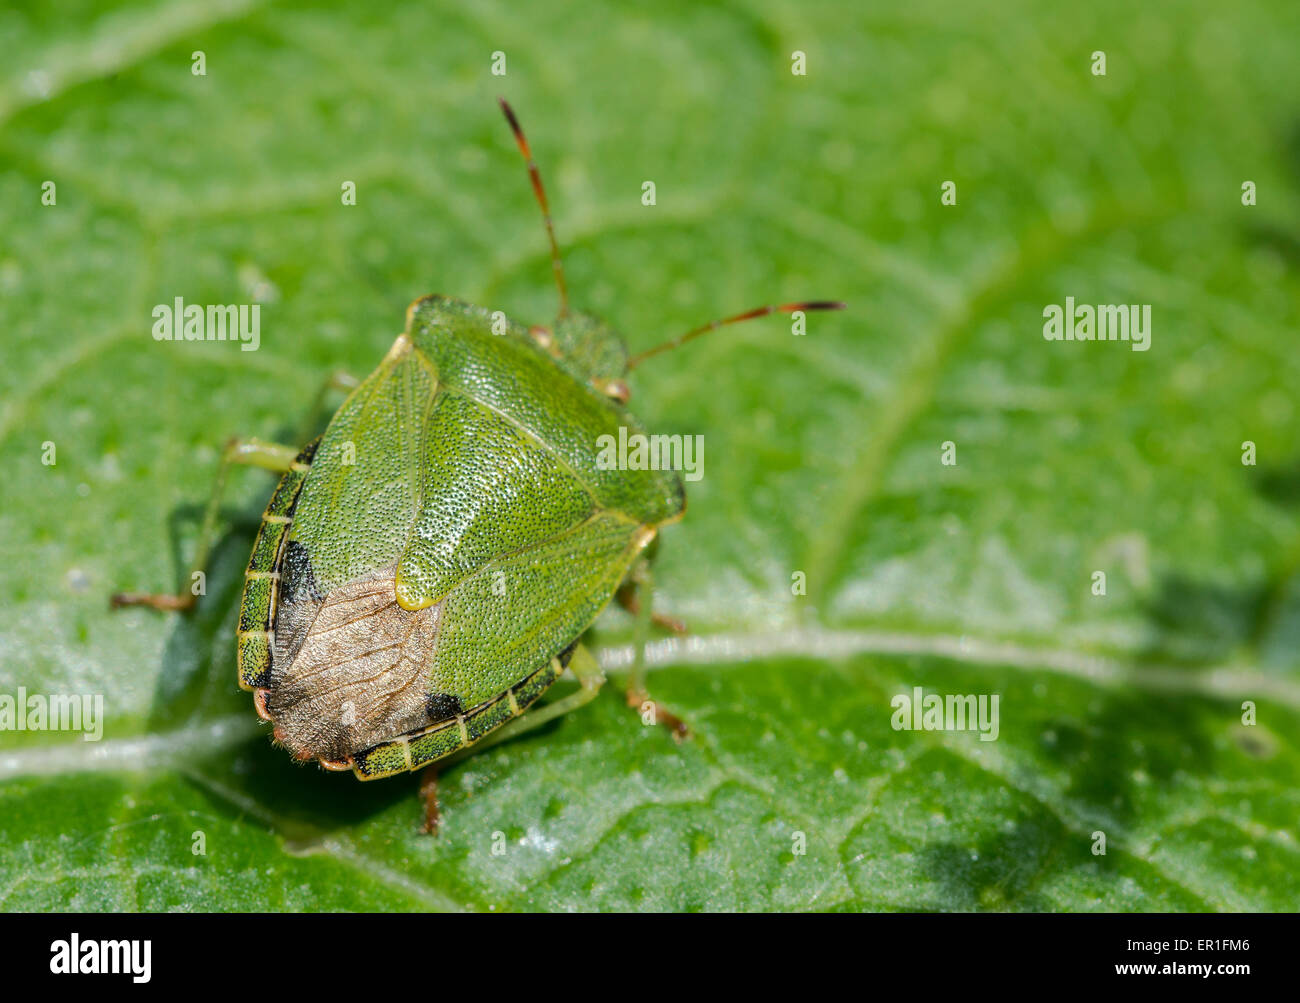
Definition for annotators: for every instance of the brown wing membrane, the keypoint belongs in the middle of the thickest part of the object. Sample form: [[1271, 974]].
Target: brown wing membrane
[[351, 670]]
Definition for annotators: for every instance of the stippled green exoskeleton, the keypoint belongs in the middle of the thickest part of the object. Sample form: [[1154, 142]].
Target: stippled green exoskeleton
[[426, 567]]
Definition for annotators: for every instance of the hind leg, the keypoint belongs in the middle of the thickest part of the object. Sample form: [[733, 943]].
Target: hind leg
[[590, 680]]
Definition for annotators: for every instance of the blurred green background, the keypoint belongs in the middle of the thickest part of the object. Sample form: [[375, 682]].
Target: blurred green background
[[1119, 714]]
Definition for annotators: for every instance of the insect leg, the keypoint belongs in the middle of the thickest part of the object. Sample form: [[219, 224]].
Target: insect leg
[[429, 795], [246, 452], [652, 712], [590, 680], [628, 596]]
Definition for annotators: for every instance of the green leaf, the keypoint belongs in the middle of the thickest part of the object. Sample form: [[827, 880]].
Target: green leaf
[[1120, 714]]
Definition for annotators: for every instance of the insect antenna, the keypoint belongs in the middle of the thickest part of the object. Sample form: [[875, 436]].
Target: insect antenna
[[540, 192], [761, 311]]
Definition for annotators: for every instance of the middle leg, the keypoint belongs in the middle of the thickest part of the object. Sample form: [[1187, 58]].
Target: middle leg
[[640, 584]]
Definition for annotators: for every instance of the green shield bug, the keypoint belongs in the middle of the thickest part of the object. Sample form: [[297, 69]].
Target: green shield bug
[[425, 568]]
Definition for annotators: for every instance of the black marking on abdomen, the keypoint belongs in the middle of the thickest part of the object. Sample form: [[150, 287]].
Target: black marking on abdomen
[[257, 607], [443, 706], [297, 580]]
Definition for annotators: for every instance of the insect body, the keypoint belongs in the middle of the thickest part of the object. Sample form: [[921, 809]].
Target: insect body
[[425, 569], [401, 606]]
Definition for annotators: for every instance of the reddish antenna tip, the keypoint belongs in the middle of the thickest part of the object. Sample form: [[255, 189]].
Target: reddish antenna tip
[[540, 194], [510, 116], [761, 311], [813, 305]]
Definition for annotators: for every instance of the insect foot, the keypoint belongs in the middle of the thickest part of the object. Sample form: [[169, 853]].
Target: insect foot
[[429, 795], [654, 713], [160, 601]]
